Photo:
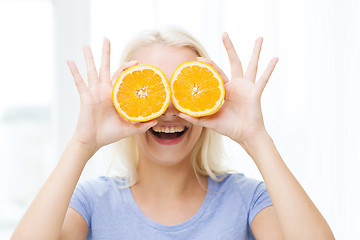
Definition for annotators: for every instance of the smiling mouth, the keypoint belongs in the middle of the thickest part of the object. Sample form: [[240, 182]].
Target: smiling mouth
[[168, 133]]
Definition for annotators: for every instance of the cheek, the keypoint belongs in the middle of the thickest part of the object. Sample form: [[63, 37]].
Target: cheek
[[196, 133], [141, 140]]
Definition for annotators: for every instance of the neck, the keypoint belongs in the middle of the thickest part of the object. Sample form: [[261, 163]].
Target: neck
[[167, 181], [168, 194]]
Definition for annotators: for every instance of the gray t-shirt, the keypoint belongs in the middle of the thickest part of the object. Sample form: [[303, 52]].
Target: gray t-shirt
[[226, 213]]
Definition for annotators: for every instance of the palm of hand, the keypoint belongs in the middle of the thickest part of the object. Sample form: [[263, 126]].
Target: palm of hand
[[97, 113], [99, 123], [240, 117]]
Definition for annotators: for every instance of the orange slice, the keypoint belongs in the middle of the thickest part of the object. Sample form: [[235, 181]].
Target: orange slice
[[197, 89], [141, 93]]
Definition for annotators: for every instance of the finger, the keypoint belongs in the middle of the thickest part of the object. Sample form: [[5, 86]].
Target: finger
[[267, 73], [93, 78], [219, 70], [104, 73], [190, 119], [254, 60], [122, 67], [199, 121], [144, 126], [235, 64], [79, 82]]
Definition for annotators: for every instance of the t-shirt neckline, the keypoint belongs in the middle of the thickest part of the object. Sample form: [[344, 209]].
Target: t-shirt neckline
[[172, 228]]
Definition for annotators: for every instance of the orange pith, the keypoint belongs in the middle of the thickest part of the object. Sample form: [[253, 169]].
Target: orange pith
[[141, 93], [197, 89]]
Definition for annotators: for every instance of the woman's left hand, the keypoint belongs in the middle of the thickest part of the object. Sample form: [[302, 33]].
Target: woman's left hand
[[240, 117]]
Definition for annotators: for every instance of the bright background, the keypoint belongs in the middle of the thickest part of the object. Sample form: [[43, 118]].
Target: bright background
[[311, 103]]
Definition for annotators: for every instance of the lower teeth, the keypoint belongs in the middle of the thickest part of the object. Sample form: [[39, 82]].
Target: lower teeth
[[168, 135]]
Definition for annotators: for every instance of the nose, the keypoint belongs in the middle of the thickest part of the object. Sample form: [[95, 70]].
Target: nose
[[171, 111]]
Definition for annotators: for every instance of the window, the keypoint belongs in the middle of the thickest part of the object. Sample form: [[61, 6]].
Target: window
[[26, 62]]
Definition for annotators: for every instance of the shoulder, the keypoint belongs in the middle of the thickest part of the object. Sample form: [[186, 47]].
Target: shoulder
[[96, 188], [90, 195], [238, 181], [241, 187], [238, 199]]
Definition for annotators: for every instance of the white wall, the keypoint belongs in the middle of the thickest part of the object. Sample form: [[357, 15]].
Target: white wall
[[311, 104]]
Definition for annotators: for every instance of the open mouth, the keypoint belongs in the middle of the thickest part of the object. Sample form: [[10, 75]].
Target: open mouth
[[168, 133]]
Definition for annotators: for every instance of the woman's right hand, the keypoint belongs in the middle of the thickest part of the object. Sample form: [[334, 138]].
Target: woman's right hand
[[99, 123]]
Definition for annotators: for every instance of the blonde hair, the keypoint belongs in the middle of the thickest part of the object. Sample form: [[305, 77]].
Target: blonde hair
[[208, 155]]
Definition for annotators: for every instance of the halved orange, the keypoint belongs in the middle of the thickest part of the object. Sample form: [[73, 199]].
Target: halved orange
[[197, 89], [141, 93]]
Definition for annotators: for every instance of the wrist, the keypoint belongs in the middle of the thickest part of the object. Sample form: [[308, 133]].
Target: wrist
[[255, 142], [85, 146]]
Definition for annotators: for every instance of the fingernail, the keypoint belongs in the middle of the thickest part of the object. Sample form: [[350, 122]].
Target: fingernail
[[154, 123], [133, 62], [182, 115]]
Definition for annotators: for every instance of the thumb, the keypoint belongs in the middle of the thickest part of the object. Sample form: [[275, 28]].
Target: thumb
[[199, 121], [144, 126]]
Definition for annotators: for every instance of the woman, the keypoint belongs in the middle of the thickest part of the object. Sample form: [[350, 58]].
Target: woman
[[172, 191]]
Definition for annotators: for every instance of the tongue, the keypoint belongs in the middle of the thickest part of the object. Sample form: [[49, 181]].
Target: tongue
[[167, 135]]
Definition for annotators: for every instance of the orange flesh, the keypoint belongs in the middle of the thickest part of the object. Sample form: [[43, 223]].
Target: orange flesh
[[196, 89], [143, 89]]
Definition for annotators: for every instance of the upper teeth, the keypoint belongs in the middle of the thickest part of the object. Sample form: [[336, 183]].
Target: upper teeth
[[171, 129]]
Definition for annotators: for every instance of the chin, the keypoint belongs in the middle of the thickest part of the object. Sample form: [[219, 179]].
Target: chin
[[168, 144], [171, 159]]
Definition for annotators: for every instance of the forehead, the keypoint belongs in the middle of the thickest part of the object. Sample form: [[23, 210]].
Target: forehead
[[167, 58]]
